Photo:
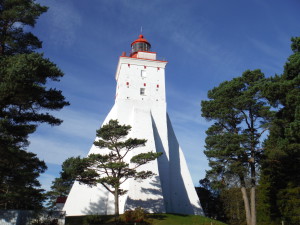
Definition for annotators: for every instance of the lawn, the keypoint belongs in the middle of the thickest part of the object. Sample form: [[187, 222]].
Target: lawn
[[176, 219], [152, 219]]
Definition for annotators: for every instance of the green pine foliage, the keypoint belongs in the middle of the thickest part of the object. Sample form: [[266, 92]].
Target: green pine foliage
[[211, 201], [62, 185], [280, 177], [19, 187], [25, 102], [233, 206], [14, 15]]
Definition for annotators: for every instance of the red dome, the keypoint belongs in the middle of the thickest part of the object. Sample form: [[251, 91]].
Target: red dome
[[141, 39]]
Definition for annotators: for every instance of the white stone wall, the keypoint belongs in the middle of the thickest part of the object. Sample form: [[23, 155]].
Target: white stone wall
[[133, 74]]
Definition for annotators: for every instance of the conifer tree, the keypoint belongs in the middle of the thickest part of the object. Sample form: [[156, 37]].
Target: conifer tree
[[62, 185], [109, 168], [240, 116], [280, 177], [25, 101]]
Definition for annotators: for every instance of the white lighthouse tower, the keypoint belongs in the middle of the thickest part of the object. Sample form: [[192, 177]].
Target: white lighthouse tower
[[141, 102]]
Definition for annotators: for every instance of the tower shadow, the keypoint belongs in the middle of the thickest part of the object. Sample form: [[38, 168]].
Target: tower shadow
[[153, 205], [101, 207]]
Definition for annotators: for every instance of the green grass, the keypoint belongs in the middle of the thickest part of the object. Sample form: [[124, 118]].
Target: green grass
[[176, 219], [152, 219]]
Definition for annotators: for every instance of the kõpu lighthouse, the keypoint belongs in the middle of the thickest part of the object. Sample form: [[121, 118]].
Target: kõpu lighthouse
[[141, 103]]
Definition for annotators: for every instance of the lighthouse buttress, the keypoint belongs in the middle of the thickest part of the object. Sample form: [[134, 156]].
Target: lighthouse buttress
[[141, 103]]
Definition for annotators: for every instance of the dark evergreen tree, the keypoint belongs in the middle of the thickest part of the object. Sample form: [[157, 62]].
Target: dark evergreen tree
[[210, 200], [24, 95], [240, 116], [109, 168], [280, 177], [62, 185], [19, 187], [25, 100], [233, 206]]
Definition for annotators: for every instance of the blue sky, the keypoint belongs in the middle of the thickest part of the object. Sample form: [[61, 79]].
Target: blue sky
[[205, 41]]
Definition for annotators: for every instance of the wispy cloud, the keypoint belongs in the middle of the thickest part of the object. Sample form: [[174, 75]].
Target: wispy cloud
[[270, 59], [81, 125], [63, 22], [265, 48], [74, 137], [56, 150]]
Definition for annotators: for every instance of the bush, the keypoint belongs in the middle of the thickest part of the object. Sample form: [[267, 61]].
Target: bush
[[47, 221], [137, 215]]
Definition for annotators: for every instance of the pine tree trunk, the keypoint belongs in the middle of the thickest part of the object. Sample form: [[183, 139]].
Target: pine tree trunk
[[247, 206], [253, 183], [116, 195], [253, 208], [252, 171]]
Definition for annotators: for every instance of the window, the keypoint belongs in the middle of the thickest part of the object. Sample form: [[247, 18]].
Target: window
[[142, 91], [143, 74]]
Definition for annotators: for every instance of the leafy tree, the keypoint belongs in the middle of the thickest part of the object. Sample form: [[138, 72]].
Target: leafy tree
[[25, 98], [240, 116], [280, 178], [62, 185], [111, 169]]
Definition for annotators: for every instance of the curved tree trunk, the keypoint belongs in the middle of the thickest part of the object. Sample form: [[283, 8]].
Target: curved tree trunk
[[247, 205]]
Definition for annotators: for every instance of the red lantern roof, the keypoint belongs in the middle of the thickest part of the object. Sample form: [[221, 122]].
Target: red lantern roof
[[141, 39]]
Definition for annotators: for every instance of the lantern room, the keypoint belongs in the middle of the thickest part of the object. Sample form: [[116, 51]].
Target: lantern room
[[140, 45], [140, 48]]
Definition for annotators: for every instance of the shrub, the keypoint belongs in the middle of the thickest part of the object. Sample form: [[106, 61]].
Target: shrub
[[47, 221], [137, 215]]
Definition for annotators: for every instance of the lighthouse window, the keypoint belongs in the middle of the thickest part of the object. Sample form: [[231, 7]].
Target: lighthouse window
[[142, 91], [143, 74]]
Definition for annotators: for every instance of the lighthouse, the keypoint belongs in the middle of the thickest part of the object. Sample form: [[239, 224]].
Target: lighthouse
[[141, 103]]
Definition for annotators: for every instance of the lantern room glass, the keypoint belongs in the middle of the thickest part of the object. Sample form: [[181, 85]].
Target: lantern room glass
[[140, 47]]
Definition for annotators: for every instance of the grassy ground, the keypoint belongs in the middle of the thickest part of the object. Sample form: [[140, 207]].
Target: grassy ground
[[152, 219], [175, 219]]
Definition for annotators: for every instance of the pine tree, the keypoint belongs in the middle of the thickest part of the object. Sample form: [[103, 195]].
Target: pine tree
[[19, 187], [240, 116], [109, 168], [25, 100], [280, 178], [62, 185]]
